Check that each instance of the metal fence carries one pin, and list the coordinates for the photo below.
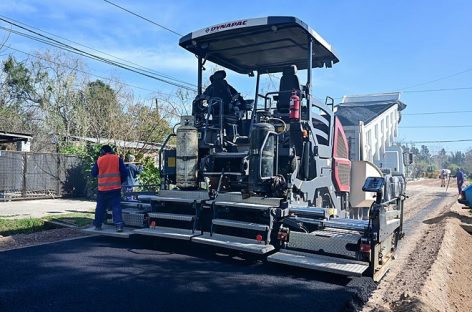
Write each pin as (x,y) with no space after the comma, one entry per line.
(39,175)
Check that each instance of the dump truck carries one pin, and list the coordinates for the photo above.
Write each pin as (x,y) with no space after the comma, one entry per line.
(370,123)
(270,176)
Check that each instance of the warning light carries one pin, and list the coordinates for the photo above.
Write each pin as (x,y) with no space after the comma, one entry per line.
(365,247)
(258,237)
(282,236)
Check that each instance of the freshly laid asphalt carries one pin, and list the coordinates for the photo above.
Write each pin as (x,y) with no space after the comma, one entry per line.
(148,274)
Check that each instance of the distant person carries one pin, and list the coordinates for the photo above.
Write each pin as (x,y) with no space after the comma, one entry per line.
(111,171)
(444,175)
(132,174)
(460,180)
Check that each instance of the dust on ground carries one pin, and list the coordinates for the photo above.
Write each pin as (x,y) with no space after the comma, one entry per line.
(432,270)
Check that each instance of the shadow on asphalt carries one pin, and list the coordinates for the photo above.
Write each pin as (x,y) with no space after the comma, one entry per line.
(233,258)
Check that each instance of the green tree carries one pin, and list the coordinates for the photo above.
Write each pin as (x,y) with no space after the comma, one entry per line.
(145,124)
(442,158)
(457,158)
(150,177)
(49,96)
(44,95)
(468,161)
(18,99)
(19,82)
(104,110)
(88,154)
(424,153)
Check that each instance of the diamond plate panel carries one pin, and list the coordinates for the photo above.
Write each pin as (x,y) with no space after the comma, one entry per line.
(171,216)
(133,219)
(319,262)
(330,241)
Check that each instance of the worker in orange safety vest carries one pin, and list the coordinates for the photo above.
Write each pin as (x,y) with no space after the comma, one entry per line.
(110,171)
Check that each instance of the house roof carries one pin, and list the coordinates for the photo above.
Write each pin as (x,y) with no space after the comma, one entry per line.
(10,137)
(120,143)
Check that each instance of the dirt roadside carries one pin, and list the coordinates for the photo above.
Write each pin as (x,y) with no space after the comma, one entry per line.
(432,271)
(37,209)
(39,238)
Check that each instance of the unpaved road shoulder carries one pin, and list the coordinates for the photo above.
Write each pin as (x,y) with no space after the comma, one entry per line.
(432,271)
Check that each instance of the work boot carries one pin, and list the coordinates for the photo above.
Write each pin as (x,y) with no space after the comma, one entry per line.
(119,228)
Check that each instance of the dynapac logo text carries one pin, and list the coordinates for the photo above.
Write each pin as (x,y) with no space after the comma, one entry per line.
(224,26)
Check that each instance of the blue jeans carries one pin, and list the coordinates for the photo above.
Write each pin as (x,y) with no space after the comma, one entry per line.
(128,189)
(106,199)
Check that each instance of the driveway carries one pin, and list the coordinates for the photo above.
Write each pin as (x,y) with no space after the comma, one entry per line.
(42,207)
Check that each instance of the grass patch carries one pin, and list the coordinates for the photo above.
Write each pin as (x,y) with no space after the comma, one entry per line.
(77,219)
(32,225)
(17,226)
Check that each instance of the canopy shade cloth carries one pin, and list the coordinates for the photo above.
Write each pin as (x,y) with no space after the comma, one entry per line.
(265,45)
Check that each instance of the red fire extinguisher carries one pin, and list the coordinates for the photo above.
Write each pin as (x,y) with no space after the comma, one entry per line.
(294,106)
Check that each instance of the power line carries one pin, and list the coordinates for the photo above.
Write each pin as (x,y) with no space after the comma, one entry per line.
(445,141)
(60,45)
(71,49)
(438,79)
(144,18)
(7,36)
(424,127)
(141,69)
(87,73)
(144,71)
(93,49)
(421,91)
(438,113)
(438,90)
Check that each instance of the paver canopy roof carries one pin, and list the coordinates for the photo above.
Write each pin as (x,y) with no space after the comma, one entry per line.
(266,45)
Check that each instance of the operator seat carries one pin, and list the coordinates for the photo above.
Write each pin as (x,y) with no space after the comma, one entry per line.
(288,82)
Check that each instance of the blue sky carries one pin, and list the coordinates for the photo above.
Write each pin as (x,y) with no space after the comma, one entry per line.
(383,46)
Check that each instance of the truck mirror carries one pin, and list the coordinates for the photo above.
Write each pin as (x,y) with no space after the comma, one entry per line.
(407,158)
(373,184)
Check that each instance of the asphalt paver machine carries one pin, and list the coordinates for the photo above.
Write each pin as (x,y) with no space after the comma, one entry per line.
(269,176)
